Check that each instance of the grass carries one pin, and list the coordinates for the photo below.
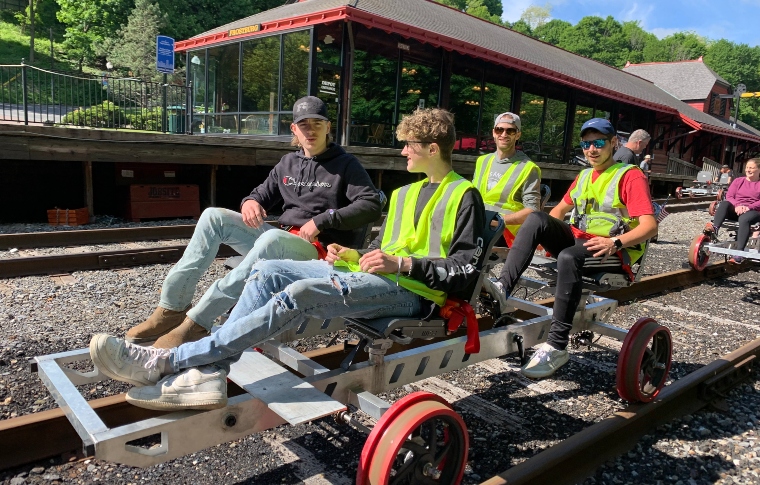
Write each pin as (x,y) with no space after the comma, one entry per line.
(14,46)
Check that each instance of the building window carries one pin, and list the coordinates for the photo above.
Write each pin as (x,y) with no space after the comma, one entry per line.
(223,81)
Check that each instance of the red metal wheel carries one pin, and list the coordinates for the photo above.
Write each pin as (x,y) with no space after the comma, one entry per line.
(698,253)
(678,192)
(713,207)
(419,440)
(644,362)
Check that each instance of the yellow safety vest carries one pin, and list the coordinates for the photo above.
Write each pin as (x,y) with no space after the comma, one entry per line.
(501,197)
(430,238)
(598,209)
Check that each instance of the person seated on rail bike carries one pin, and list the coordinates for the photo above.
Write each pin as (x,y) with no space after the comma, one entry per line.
(325,193)
(613,216)
(508,180)
(725,176)
(428,247)
(742,204)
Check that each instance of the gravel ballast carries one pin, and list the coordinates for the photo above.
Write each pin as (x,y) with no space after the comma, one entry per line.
(41,316)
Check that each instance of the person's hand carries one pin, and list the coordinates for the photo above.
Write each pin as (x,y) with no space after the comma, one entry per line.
(253,213)
(336,252)
(378,262)
(601,246)
(741,209)
(309,231)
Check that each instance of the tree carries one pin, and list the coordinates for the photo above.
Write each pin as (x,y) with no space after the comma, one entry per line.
(522,27)
(599,39)
(680,46)
(638,41)
(490,10)
(736,63)
(536,16)
(88,23)
(134,48)
(552,31)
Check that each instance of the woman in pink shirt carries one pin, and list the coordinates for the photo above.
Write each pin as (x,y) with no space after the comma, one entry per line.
(742,204)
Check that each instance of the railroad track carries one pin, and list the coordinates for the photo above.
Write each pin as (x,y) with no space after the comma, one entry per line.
(61,439)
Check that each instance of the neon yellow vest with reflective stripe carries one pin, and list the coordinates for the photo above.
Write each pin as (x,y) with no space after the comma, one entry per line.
(430,238)
(501,197)
(599,210)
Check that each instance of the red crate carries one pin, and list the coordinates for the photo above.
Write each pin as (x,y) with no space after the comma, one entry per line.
(154,201)
(68,217)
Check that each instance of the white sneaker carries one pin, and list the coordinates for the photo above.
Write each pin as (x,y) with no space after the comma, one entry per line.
(493,287)
(545,362)
(123,361)
(195,388)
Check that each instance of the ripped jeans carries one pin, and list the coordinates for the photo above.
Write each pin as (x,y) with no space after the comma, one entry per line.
(280,295)
(215,226)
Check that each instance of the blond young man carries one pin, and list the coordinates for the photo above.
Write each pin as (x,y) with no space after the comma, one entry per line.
(401,275)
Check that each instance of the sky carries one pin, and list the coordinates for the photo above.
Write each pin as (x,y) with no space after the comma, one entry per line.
(735,20)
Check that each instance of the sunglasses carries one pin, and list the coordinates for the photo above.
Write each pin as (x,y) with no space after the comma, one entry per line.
(407,142)
(510,131)
(597,143)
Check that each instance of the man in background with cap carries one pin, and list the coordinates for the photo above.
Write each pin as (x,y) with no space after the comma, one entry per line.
(508,180)
(646,165)
(613,217)
(636,144)
(324,192)
(726,174)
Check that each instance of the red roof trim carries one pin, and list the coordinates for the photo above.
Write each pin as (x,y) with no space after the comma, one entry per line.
(721,131)
(266,28)
(664,62)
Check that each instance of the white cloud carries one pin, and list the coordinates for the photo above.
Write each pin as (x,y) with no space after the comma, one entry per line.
(662,32)
(637,11)
(513,9)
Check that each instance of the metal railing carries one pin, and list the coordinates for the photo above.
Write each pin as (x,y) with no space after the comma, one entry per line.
(29,94)
(676,166)
(711,165)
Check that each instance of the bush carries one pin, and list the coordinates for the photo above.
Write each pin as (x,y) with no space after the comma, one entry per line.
(106,115)
(146,119)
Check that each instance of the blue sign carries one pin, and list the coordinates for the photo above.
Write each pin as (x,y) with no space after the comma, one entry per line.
(165,54)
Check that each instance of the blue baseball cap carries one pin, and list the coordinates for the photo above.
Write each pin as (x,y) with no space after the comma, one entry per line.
(601,125)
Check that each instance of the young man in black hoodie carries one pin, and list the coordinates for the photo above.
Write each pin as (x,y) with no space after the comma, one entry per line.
(402,275)
(325,193)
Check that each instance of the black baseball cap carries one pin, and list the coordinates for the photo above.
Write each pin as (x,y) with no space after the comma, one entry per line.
(309,107)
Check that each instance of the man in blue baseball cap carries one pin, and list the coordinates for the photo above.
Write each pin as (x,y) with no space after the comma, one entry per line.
(613,217)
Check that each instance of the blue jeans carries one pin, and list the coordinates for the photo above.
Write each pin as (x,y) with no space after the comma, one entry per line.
(217,226)
(283,294)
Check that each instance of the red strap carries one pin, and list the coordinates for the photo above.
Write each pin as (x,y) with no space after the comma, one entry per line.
(457,312)
(509,237)
(321,251)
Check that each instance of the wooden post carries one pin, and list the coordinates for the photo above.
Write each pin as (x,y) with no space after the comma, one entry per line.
(212,186)
(88,192)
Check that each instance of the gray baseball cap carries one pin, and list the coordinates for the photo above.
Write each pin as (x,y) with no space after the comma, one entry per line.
(508,118)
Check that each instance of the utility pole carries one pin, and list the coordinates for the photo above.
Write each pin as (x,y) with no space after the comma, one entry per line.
(31,31)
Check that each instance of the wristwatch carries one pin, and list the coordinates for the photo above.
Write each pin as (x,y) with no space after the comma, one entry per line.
(618,242)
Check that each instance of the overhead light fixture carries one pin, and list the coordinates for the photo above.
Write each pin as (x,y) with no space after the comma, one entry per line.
(196,60)
(329,39)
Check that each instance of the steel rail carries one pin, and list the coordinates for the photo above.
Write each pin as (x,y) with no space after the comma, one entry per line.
(60,437)
(49,239)
(66,263)
(578,456)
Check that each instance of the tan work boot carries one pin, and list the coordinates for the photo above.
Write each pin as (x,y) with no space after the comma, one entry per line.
(161,322)
(188,331)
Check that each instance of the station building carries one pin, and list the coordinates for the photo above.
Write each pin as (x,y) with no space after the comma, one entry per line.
(373,61)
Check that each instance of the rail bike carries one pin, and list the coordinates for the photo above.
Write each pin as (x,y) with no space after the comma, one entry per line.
(418,439)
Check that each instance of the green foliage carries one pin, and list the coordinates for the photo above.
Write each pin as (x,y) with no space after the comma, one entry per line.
(680,46)
(88,23)
(536,16)
(105,115)
(599,39)
(134,48)
(736,63)
(522,27)
(145,119)
(490,10)
(552,31)
(44,18)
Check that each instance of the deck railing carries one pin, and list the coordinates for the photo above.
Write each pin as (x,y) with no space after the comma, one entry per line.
(29,94)
(676,166)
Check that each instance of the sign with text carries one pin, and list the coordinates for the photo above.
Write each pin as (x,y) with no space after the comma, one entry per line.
(244,30)
(165,54)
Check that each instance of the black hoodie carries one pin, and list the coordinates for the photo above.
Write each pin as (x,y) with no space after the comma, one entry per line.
(332,188)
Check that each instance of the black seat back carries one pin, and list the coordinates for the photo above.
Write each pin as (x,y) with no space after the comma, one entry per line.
(492,232)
